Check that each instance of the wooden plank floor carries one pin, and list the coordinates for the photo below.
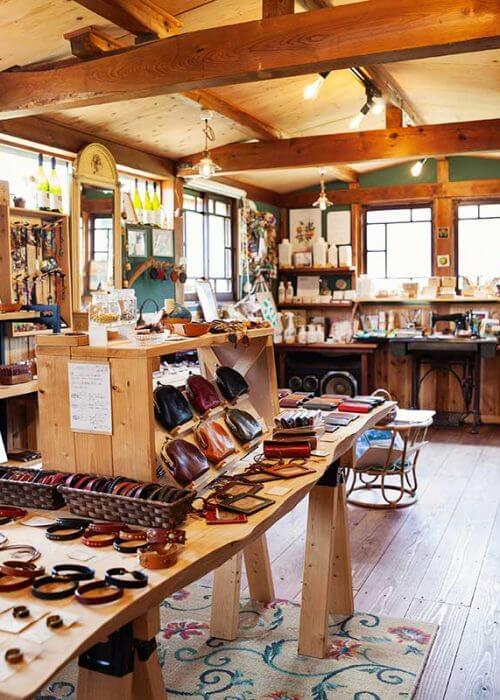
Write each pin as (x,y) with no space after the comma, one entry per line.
(437,561)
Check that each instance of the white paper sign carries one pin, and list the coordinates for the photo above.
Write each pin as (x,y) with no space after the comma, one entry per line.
(338,227)
(90,397)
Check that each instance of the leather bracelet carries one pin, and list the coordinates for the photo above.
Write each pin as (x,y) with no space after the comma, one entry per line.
(73,572)
(12,512)
(44,587)
(74,522)
(162,536)
(25,569)
(130,534)
(13,656)
(61,533)
(128,546)
(113,578)
(113,593)
(32,552)
(158,556)
(54,622)
(16,583)
(98,539)
(101,528)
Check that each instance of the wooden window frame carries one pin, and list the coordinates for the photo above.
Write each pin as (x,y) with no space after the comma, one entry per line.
(466,201)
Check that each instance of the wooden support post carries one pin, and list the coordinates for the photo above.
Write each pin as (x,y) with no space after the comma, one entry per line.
(224,620)
(92,685)
(443,219)
(147,678)
(258,568)
(316,585)
(341,595)
(393,117)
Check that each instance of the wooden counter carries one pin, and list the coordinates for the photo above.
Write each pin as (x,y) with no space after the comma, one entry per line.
(206,548)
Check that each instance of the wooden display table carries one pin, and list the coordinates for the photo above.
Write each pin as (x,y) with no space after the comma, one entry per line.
(327,583)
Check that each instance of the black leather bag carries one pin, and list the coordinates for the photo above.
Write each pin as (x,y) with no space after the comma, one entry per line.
(231,383)
(171,406)
(242,424)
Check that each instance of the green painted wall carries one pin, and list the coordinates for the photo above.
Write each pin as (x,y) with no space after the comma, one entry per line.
(469,168)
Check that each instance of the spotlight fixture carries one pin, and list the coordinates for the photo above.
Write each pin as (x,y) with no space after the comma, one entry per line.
(206,166)
(322,202)
(417,167)
(358,118)
(373,98)
(312,90)
(378,105)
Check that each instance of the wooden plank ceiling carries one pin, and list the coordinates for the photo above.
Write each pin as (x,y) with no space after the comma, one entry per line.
(443,89)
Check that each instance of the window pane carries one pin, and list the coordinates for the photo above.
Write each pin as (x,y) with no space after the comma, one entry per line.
(193,232)
(211,205)
(421,214)
(375,264)
(222,208)
(216,246)
(100,256)
(227,225)
(467,211)
(385,215)
(189,201)
(199,204)
(101,240)
(479,248)
(409,250)
(222,286)
(489,210)
(375,237)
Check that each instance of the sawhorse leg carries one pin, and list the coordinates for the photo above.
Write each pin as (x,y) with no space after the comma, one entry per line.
(125,667)
(327,583)
(224,620)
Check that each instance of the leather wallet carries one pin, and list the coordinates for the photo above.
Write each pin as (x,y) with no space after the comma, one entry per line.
(187,461)
(171,407)
(201,393)
(282,448)
(242,424)
(231,383)
(353,407)
(214,441)
(287,439)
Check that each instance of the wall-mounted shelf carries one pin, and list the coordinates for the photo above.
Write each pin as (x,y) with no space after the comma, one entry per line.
(437,300)
(322,307)
(317,270)
(39,213)
(8,391)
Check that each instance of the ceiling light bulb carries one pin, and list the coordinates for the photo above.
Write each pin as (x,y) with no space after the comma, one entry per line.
(417,167)
(206,167)
(311,91)
(378,105)
(356,120)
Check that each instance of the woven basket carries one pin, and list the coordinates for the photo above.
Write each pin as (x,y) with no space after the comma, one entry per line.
(27,495)
(134,511)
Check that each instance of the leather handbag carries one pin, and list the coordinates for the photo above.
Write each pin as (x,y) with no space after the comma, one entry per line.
(186,460)
(201,393)
(171,407)
(282,448)
(214,441)
(231,383)
(242,424)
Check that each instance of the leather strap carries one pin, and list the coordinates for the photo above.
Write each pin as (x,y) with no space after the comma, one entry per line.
(53,587)
(14,583)
(114,576)
(73,572)
(25,569)
(83,594)
(157,556)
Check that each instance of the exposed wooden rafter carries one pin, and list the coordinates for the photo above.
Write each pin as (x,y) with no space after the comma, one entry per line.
(393,92)
(275,8)
(139,17)
(328,39)
(393,116)
(380,144)
(90,42)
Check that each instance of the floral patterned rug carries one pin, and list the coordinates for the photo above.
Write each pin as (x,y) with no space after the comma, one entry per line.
(370,657)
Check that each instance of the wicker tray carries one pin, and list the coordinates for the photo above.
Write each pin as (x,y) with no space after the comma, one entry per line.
(28,495)
(134,511)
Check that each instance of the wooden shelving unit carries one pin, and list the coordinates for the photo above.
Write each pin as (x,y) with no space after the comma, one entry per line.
(319,307)
(436,300)
(317,270)
(9,391)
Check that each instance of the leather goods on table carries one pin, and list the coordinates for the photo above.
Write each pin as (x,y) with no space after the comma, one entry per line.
(282,448)
(231,383)
(311,438)
(214,441)
(355,407)
(242,424)
(201,393)
(374,400)
(171,407)
(188,462)
(321,404)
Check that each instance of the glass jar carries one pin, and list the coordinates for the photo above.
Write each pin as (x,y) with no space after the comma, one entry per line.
(128,306)
(104,309)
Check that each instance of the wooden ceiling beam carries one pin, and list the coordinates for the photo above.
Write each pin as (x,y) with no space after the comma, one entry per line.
(210,100)
(355,147)
(395,194)
(90,42)
(393,92)
(48,133)
(275,8)
(393,116)
(139,17)
(329,39)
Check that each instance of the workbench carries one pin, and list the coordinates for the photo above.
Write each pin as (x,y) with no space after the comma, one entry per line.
(133,621)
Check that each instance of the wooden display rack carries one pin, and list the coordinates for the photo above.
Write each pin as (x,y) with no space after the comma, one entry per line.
(9,215)
(131,449)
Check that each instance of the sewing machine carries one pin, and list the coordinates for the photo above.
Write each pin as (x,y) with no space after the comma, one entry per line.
(454,322)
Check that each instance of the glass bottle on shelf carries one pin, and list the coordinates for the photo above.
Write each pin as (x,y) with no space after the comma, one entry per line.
(42,186)
(137,202)
(55,191)
(156,207)
(147,213)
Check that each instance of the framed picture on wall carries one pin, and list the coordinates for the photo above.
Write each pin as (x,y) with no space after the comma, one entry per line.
(305,228)
(163,243)
(137,242)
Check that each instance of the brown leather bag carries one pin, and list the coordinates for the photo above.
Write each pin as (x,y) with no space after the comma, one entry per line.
(187,462)
(214,441)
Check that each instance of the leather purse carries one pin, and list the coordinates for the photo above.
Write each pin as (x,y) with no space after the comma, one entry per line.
(282,448)
(242,424)
(186,460)
(214,441)
(201,393)
(231,383)
(171,407)
(355,407)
